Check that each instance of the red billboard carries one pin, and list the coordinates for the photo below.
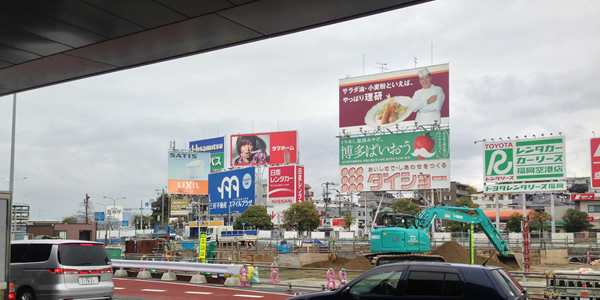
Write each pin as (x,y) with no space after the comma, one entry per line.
(264,148)
(395,99)
(286,184)
(595,143)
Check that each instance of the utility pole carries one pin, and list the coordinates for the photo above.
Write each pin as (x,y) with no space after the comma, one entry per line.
(326,194)
(87,203)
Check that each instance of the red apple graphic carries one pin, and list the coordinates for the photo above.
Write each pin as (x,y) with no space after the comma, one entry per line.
(424,142)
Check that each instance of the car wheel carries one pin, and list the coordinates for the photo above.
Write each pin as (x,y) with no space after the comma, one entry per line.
(26,294)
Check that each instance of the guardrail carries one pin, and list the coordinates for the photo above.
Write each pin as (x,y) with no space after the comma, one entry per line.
(178,266)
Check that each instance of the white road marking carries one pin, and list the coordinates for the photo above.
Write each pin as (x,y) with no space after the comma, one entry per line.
(249,296)
(198,293)
(119,288)
(152,290)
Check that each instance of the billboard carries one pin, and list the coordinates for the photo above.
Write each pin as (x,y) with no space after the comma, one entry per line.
(524,160)
(179,207)
(188,173)
(401,161)
(595,151)
(216,148)
(403,98)
(114,213)
(393,176)
(424,145)
(231,191)
(264,148)
(286,186)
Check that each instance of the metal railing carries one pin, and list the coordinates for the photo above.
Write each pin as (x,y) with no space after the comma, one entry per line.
(178,266)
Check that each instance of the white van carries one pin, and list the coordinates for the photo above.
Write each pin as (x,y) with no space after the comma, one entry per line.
(60,269)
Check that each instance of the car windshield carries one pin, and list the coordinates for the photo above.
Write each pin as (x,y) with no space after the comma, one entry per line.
(508,284)
(379,283)
(83,255)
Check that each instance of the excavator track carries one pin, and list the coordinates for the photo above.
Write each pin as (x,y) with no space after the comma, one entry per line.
(387,258)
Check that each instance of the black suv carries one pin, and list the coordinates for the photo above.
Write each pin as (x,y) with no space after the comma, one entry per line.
(428,281)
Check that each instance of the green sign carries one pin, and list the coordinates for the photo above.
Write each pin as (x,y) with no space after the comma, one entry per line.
(217,161)
(412,146)
(526,160)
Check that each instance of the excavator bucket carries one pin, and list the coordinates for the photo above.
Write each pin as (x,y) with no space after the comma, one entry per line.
(509,260)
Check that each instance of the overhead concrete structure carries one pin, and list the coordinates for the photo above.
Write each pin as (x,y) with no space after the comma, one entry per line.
(53,41)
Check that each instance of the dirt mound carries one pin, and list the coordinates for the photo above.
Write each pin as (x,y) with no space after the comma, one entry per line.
(455,253)
(357,263)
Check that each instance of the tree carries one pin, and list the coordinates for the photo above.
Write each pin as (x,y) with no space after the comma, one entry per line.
(70,220)
(348,219)
(576,221)
(406,206)
(255,216)
(302,215)
(465,201)
(513,224)
(471,190)
(157,210)
(455,226)
(539,222)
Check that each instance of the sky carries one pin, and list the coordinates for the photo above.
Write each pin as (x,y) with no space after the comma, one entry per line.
(516,68)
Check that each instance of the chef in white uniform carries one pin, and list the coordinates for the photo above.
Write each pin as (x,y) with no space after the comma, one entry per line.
(427,101)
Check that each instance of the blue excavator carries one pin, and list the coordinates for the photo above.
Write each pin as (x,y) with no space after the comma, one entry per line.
(404,237)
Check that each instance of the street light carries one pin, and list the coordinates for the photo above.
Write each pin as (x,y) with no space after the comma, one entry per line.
(114,200)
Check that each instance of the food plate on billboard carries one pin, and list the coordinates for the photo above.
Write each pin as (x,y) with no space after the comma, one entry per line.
(389,112)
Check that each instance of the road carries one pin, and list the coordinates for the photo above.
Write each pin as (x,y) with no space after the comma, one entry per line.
(134,289)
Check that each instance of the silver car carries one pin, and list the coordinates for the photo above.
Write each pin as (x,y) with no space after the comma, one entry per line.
(60,269)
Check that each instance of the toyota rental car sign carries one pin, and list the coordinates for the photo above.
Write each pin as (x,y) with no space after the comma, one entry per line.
(524,160)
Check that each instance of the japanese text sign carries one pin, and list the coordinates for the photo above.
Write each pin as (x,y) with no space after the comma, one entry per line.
(264,148)
(216,148)
(399,147)
(363,100)
(595,151)
(231,191)
(179,207)
(526,255)
(286,184)
(531,187)
(527,160)
(393,176)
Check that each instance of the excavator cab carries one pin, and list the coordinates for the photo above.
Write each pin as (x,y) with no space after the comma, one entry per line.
(397,220)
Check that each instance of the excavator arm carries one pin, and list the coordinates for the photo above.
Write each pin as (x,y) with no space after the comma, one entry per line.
(425,219)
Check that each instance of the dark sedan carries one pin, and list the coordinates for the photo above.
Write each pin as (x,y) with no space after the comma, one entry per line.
(427,281)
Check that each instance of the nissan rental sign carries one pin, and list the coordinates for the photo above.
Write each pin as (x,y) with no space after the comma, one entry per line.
(526,160)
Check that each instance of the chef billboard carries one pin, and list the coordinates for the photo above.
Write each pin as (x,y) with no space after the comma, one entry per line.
(397,99)
(524,160)
(216,148)
(264,148)
(188,172)
(231,191)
